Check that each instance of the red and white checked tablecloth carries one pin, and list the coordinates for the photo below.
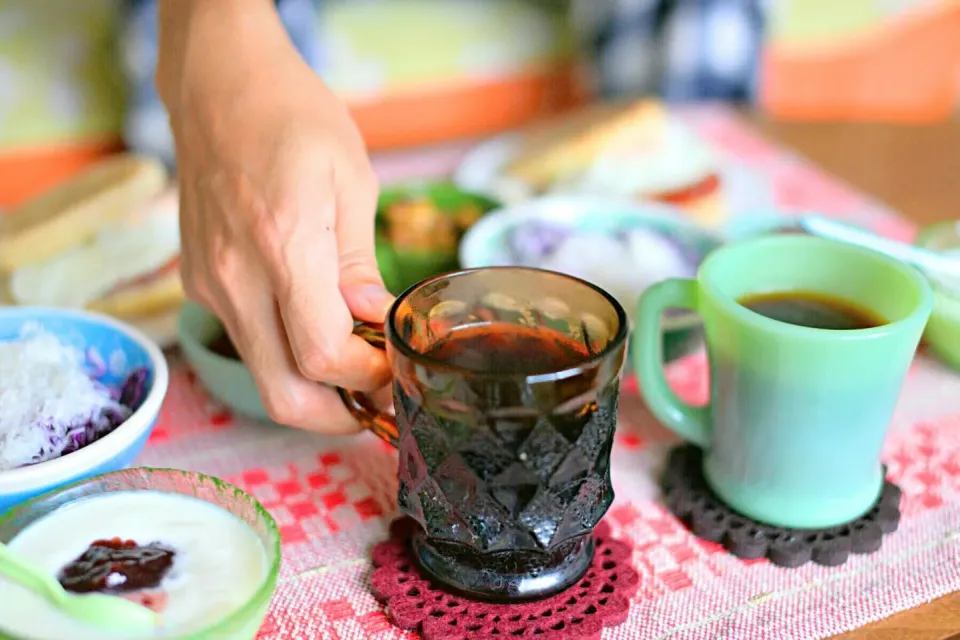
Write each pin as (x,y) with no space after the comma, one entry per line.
(333,498)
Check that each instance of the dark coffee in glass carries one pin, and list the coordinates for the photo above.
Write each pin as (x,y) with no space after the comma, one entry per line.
(505,391)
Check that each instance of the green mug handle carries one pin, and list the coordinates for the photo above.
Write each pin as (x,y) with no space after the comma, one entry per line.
(691,423)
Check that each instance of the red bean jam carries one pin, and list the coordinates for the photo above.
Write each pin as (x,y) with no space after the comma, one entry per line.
(117,566)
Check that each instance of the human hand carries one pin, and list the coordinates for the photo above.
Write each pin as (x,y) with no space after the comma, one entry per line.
(277,222)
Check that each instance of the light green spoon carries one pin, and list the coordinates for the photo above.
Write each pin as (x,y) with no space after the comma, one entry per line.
(103,611)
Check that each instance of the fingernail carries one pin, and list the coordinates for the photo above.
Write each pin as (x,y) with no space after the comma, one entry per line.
(377,297)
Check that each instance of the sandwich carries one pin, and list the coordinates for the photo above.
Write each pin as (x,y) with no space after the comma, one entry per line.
(107,240)
(566,147)
(636,150)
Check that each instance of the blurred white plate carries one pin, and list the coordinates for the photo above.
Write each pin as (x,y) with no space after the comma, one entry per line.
(686,160)
(747,191)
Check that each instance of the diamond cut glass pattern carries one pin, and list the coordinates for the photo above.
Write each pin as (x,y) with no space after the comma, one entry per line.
(505,390)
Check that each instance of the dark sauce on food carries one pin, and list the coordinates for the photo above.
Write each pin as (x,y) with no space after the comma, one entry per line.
(117,566)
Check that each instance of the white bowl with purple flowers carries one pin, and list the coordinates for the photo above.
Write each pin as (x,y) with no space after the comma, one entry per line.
(621,246)
(80,394)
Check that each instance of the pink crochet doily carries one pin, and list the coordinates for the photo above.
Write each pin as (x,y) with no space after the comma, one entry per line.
(601,598)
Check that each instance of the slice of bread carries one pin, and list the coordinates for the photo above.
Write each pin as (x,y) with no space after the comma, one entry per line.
(161,328)
(568,146)
(158,294)
(71,213)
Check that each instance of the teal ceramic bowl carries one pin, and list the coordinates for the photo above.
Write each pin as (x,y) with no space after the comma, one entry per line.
(942,334)
(488,242)
(228,380)
(243,623)
(403,268)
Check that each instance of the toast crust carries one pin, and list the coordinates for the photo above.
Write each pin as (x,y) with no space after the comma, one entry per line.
(71,213)
(150,298)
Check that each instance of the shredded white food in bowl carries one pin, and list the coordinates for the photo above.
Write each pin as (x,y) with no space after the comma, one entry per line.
(49,405)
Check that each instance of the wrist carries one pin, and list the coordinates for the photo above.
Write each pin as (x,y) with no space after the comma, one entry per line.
(213,52)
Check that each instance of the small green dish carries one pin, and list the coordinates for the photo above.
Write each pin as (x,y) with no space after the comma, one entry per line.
(943,330)
(228,380)
(243,623)
(402,269)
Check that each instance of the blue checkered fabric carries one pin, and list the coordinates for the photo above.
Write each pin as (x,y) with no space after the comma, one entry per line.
(682,50)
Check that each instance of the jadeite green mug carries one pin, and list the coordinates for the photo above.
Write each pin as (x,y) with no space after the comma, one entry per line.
(797,416)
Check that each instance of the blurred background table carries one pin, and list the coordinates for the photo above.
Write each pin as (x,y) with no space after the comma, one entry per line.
(915,170)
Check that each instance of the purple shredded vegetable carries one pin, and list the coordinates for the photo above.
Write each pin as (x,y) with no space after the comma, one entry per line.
(130,395)
(531,242)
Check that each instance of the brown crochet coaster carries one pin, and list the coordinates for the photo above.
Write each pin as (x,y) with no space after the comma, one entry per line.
(689,498)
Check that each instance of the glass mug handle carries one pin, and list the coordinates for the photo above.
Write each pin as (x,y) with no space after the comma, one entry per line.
(689,422)
(359,404)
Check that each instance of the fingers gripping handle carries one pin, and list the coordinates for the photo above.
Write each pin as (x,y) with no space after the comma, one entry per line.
(359,404)
(691,423)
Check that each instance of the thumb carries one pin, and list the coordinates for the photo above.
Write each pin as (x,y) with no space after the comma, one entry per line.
(362,287)
(361,284)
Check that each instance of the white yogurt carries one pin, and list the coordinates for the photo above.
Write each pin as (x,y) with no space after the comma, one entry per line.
(218,566)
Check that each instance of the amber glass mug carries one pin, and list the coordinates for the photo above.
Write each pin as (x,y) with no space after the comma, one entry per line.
(506,383)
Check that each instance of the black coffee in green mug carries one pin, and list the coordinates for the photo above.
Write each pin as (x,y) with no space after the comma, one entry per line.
(812,309)
(797,413)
